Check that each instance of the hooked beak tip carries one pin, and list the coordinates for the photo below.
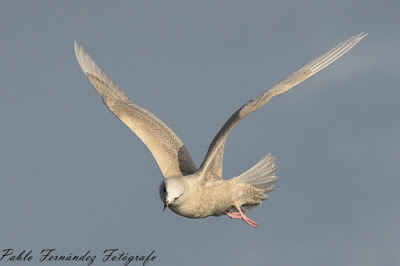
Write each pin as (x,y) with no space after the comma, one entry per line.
(165,205)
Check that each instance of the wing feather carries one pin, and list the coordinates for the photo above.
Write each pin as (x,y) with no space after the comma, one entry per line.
(309,69)
(167,149)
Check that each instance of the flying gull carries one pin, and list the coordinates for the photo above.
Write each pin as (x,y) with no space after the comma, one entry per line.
(200,192)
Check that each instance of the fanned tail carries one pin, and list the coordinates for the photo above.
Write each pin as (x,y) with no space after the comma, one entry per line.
(261,176)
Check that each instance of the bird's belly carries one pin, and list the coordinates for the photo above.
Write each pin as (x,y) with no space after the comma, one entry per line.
(195,211)
(211,201)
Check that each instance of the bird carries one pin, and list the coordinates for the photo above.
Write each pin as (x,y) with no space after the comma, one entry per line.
(201,192)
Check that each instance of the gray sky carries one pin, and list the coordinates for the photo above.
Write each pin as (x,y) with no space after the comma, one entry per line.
(73,177)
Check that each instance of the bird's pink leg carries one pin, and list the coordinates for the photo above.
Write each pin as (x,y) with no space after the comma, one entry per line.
(246,219)
(234,215)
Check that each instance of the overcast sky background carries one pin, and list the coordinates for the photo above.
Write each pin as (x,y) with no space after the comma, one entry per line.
(74,178)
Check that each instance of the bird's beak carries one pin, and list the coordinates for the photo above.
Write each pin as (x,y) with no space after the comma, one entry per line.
(166,205)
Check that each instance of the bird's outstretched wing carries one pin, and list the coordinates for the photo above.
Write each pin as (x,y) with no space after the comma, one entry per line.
(165,146)
(213,161)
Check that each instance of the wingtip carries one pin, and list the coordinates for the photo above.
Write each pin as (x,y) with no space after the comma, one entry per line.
(76,48)
(78,52)
(357,38)
(360,36)
(364,34)
(83,59)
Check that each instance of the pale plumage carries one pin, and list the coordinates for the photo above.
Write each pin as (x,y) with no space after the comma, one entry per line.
(186,190)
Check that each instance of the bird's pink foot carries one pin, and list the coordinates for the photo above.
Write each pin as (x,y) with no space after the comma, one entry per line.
(241,215)
(234,215)
(250,222)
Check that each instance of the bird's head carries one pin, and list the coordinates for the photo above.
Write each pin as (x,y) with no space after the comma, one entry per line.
(171,191)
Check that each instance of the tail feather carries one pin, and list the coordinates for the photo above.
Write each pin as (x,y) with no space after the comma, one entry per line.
(261,176)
